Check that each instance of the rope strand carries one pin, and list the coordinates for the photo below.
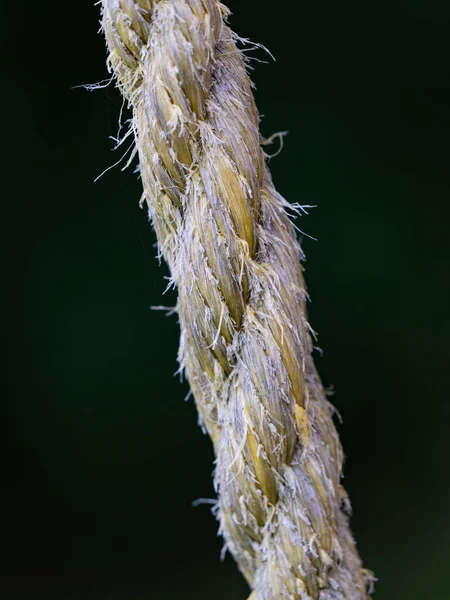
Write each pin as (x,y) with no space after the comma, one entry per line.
(233,255)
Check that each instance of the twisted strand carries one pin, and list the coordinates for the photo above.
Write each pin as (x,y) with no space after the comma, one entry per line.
(245,340)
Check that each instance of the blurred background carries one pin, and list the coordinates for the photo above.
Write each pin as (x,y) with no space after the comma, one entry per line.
(102,457)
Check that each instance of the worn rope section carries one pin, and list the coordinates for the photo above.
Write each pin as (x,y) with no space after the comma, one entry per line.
(245,340)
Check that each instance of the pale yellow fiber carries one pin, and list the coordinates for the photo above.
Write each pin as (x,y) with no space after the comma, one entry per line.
(233,255)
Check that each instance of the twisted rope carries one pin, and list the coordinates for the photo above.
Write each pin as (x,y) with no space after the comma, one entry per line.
(245,340)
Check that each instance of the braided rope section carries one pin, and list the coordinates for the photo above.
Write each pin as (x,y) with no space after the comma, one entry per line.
(245,339)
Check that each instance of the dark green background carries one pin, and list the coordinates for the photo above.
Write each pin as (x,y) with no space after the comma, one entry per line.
(102,457)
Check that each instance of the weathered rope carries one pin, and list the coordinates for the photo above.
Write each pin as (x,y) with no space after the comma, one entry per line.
(245,339)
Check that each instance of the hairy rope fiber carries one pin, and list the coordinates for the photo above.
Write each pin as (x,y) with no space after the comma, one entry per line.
(245,340)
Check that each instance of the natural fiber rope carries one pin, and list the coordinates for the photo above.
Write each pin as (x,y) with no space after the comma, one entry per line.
(245,339)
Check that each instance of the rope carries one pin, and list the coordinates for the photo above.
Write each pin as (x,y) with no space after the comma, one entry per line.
(233,255)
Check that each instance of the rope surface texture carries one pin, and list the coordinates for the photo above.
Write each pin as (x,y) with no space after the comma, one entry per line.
(233,255)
